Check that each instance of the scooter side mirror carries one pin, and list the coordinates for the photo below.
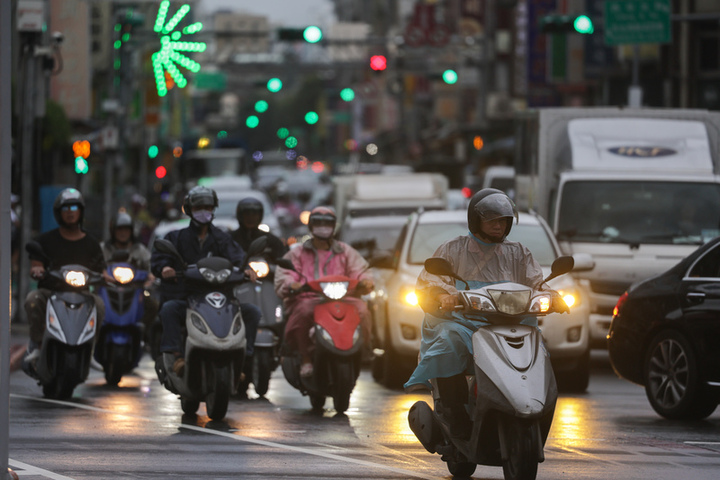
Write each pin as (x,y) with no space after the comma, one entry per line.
(285,263)
(257,246)
(561,266)
(441,267)
(36,251)
(165,246)
(120,256)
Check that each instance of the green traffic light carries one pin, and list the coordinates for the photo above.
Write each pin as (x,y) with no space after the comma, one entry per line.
(312,34)
(583,24)
(283,133)
(347,94)
(450,76)
(274,85)
(81,165)
(153,151)
(261,106)
(312,118)
(291,142)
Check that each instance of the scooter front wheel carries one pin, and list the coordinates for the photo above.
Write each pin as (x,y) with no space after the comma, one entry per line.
(461,469)
(217,400)
(521,440)
(189,406)
(262,370)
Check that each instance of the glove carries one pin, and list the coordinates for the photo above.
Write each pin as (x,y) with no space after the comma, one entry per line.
(558,304)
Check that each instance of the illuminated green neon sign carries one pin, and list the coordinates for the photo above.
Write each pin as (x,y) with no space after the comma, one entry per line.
(168,58)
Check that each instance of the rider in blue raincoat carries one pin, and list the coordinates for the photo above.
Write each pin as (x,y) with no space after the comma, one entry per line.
(481,257)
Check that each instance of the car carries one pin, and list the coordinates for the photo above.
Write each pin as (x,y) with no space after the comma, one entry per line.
(372,236)
(397,319)
(665,332)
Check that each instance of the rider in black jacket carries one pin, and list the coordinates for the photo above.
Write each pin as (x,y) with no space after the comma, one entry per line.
(249,213)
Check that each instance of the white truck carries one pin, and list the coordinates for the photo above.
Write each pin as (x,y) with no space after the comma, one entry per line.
(638,189)
(388,194)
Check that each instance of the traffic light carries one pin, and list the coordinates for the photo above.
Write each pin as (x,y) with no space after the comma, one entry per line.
(450,76)
(566,24)
(252,121)
(81,149)
(261,106)
(311,118)
(347,94)
(153,151)
(378,63)
(160,172)
(311,34)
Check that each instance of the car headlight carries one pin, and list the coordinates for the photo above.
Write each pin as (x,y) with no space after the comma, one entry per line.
(260,267)
(571,296)
(408,295)
(334,290)
(123,274)
(213,276)
(75,278)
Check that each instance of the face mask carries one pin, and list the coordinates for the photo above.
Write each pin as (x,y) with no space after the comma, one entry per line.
(202,216)
(322,233)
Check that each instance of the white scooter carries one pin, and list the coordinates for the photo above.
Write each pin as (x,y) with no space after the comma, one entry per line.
(215,344)
(512,394)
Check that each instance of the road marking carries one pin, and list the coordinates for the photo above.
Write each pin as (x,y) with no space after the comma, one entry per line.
(702,443)
(233,436)
(31,470)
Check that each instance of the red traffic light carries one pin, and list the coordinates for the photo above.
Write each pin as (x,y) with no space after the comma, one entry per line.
(160,172)
(378,63)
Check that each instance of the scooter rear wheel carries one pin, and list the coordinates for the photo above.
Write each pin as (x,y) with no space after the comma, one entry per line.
(317,401)
(262,370)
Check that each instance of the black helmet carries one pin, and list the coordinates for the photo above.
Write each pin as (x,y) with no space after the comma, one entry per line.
(489,204)
(69,196)
(121,219)
(250,205)
(199,197)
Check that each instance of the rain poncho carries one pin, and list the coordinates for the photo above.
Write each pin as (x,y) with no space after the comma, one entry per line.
(446,347)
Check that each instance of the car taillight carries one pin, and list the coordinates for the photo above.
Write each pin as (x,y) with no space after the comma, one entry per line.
(619,303)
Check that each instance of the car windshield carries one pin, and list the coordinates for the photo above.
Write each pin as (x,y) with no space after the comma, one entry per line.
(428,237)
(639,212)
(228,204)
(372,237)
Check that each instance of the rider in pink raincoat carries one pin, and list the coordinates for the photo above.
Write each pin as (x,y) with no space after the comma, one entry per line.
(318,257)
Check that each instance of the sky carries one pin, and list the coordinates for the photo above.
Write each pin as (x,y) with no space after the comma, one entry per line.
(290,13)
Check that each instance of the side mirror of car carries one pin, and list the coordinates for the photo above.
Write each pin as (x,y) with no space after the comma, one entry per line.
(583,262)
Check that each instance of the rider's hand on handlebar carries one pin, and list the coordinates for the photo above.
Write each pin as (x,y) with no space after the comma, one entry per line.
(37,272)
(251,274)
(364,286)
(295,286)
(107,277)
(168,272)
(447,301)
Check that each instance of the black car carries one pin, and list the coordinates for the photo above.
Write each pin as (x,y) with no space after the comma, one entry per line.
(665,335)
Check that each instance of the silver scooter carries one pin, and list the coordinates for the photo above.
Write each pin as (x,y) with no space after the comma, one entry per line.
(512,393)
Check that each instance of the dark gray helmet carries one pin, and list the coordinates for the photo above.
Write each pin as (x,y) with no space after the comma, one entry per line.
(199,197)
(489,204)
(69,196)
(249,205)
(121,219)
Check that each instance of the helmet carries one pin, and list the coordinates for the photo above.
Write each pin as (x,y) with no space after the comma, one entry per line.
(199,197)
(69,196)
(318,214)
(121,219)
(250,205)
(489,204)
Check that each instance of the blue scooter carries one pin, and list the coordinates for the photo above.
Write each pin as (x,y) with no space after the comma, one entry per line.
(119,345)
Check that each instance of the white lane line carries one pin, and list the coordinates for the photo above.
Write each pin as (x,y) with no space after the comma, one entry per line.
(702,443)
(31,470)
(233,436)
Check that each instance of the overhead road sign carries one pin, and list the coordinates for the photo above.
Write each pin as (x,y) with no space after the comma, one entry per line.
(637,21)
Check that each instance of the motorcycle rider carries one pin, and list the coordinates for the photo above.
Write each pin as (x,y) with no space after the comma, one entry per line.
(482,257)
(319,256)
(122,237)
(249,213)
(200,239)
(65,245)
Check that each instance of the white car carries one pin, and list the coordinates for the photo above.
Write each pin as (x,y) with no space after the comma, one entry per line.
(397,319)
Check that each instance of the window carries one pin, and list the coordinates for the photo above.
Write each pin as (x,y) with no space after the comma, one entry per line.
(708,266)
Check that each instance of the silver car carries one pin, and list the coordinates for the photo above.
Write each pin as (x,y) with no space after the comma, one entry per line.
(397,318)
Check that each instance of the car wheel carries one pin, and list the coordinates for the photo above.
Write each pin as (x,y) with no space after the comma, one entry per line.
(577,379)
(672,381)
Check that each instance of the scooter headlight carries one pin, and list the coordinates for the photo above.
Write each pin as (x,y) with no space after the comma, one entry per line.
(215,276)
(75,278)
(334,290)
(510,302)
(541,304)
(260,267)
(480,302)
(123,275)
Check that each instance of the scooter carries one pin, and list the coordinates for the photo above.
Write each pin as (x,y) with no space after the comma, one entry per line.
(337,336)
(71,321)
(215,344)
(512,395)
(120,343)
(266,356)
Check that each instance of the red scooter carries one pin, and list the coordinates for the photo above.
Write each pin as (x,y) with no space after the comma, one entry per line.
(337,337)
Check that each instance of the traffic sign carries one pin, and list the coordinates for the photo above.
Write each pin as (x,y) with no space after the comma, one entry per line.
(637,21)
